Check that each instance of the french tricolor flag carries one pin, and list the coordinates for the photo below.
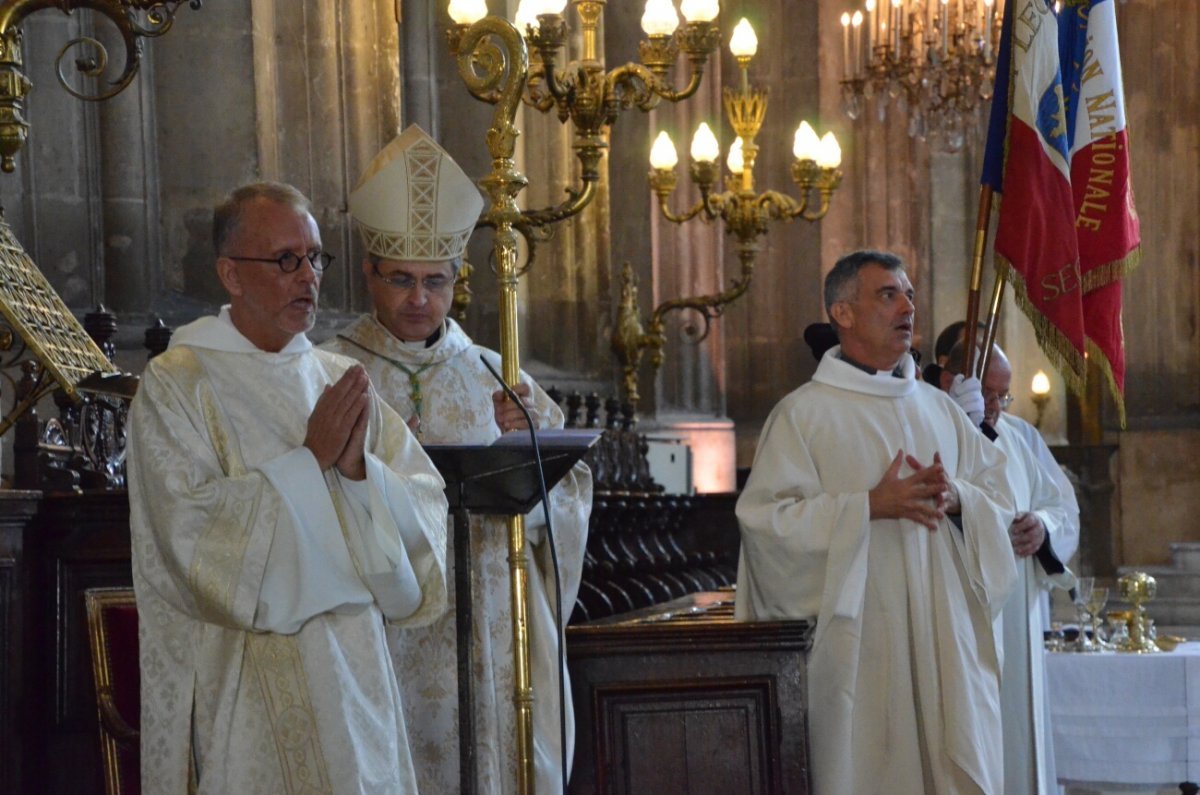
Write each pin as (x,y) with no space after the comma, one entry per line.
(1027,161)
(1106,222)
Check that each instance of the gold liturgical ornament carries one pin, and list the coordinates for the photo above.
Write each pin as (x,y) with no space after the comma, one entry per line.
(134,20)
(493,61)
(1137,589)
(44,323)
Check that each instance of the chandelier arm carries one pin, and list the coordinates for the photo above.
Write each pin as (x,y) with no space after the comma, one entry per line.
(535,96)
(688,91)
(576,201)
(632,84)
(713,305)
(561,90)
(700,206)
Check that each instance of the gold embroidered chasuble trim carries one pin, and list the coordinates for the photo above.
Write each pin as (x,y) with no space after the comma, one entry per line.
(276,661)
(279,668)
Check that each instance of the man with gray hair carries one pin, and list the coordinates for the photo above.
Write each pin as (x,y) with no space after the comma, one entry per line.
(280,515)
(415,209)
(1044,533)
(876,507)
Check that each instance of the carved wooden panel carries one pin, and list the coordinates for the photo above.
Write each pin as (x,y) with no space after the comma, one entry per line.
(680,698)
(712,735)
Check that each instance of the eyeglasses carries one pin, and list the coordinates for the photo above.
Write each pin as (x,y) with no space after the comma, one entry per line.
(405,282)
(290,263)
(1004,400)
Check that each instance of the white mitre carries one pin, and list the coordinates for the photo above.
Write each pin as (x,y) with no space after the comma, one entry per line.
(414,203)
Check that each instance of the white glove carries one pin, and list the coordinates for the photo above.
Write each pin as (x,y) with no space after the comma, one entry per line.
(968,394)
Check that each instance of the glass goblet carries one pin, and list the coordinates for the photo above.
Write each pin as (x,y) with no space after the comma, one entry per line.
(1095,604)
(1083,594)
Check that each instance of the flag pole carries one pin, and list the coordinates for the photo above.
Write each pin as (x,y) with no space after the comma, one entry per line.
(993,321)
(981,234)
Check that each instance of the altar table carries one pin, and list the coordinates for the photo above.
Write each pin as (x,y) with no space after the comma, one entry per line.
(1122,720)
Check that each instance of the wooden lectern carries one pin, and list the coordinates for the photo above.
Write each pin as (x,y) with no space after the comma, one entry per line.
(498,479)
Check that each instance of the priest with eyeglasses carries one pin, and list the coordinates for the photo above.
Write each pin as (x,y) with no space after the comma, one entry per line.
(416,209)
(281,517)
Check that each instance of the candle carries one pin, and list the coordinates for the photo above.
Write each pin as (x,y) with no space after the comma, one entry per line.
(699,10)
(845,46)
(856,21)
(734,161)
(467,12)
(829,154)
(945,22)
(705,148)
(896,26)
(870,29)
(659,18)
(805,144)
(663,156)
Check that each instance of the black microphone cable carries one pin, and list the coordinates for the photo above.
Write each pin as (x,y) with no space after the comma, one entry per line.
(560,628)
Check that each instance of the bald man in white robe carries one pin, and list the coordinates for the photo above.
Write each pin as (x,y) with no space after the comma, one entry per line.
(1044,533)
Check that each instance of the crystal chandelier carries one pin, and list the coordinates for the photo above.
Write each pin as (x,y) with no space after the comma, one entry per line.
(933,60)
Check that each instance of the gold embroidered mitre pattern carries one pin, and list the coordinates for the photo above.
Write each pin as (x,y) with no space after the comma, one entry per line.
(414,203)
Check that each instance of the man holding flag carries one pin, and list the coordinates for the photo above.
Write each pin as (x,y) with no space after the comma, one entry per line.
(1067,233)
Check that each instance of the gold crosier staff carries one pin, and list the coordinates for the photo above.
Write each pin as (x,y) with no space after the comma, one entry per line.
(494,64)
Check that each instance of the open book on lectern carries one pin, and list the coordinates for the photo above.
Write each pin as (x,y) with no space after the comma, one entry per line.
(502,477)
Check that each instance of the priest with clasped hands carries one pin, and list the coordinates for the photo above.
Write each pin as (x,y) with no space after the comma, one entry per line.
(415,209)
(876,507)
(281,517)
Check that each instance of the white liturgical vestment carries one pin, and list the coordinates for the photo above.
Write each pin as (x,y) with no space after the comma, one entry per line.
(263,584)
(455,392)
(904,675)
(1028,754)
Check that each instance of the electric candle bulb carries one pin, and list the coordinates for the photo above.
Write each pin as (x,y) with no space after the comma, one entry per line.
(744,43)
(663,156)
(553,7)
(699,10)
(526,17)
(659,18)
(829,154)
(705,148)
(805,144)
(734,160)
(1041,383)
(467,12)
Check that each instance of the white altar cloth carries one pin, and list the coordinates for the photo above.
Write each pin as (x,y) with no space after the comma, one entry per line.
(1126,719)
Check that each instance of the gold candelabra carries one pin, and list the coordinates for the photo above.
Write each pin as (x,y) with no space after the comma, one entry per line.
(933,58)
(494,62)
(134,20)
(583,91)
(744,213)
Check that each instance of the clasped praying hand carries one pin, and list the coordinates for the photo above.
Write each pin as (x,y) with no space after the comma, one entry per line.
(337,427)
(924,497)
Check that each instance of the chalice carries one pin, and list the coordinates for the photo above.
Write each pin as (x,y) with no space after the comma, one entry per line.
(1137,589)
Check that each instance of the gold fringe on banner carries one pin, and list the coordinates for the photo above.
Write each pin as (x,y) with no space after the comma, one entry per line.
(1058,349)
(1109,272)
(1096,355)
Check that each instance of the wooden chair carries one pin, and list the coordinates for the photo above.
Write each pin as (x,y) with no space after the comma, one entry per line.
(113,635)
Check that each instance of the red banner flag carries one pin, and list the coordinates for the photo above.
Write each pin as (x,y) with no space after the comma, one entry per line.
(1027,161)
(1106,222)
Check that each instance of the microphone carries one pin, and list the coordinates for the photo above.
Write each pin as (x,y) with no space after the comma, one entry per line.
(560,629)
